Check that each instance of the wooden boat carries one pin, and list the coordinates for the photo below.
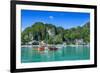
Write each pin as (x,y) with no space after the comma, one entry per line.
(53,48)
(41,48)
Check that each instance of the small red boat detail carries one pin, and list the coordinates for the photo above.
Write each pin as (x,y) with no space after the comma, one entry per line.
(41,49)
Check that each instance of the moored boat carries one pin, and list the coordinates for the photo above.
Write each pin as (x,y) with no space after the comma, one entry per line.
(53,48)
(41,48)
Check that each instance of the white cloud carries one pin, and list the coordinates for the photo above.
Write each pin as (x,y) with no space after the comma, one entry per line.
(51,17)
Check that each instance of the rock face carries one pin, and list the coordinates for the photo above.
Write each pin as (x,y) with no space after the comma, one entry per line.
(52,34)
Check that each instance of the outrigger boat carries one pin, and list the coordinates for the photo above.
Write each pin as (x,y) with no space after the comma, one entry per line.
(44,46)
(41,48)
(53,48)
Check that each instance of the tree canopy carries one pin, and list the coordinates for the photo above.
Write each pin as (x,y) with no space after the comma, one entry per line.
(52,34)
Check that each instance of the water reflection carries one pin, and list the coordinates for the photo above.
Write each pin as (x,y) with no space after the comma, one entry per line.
(63,53)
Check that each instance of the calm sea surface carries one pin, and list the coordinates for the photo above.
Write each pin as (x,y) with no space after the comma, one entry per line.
(64,53)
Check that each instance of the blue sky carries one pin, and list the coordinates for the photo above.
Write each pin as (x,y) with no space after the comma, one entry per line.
(64,19)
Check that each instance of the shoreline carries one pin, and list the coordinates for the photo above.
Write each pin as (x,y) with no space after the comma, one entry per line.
(53,45)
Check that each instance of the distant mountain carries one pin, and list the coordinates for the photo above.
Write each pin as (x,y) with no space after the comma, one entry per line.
(51,34)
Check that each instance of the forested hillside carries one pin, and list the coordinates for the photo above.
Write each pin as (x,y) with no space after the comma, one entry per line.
(52,34)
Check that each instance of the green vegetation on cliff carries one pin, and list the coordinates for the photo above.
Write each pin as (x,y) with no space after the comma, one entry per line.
(52,34)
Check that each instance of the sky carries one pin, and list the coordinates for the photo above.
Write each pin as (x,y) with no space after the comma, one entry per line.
(66,20)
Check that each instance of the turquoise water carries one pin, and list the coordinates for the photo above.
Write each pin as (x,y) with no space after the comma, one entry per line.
(65,53)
